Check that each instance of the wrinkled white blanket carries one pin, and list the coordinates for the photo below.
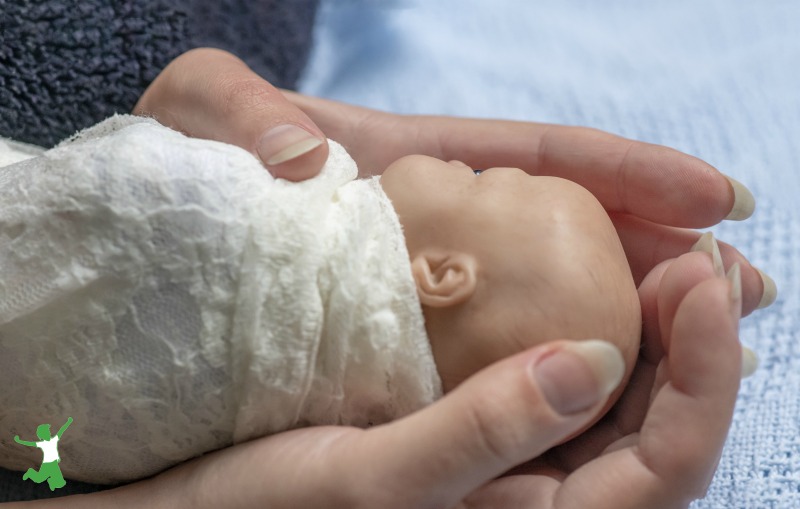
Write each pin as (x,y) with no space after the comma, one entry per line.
(173,298)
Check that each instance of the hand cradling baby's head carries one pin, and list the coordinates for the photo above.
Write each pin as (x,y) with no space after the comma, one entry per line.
(504,261)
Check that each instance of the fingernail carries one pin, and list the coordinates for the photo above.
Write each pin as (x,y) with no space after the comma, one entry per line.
(579,375)
(749,362)
(734,275)
(707,243)
(284,143)
(770,290)
(743,202)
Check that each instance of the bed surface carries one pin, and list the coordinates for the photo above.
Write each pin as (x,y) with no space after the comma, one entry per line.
(717,79)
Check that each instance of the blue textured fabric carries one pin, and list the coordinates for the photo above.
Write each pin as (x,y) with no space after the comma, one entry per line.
(717,79)
(67,64)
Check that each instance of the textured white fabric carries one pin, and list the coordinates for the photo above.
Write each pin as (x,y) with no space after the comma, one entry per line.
(173,298)
(14,152)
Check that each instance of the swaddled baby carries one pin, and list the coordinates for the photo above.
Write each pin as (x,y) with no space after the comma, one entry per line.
(173,298)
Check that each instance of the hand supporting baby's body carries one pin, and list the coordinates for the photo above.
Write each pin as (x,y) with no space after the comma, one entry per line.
(173,298)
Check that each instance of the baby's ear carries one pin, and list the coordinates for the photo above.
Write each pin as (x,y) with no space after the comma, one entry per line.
(444,279)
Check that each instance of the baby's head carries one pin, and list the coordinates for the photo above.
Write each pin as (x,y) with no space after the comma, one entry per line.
(504,261)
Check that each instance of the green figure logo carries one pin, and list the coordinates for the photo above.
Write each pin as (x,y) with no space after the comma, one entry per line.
(49,470)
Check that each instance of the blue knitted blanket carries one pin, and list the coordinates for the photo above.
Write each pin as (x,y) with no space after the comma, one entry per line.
(719,79)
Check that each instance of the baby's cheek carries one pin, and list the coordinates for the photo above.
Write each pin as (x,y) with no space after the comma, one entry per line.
(457,363)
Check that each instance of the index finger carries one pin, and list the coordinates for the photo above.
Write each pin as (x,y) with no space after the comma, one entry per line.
(649,181)
(646,180)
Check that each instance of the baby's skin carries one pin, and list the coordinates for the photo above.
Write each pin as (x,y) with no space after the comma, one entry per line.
(504,261)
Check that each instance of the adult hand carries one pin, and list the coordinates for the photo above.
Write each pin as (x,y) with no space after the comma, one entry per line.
(652,193)
(209,93)
(659,445)
(658,448)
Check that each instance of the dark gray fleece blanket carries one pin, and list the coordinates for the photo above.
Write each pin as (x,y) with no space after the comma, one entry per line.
(67,64)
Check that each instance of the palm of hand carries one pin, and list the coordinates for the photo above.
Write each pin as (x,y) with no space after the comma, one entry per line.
(658,447)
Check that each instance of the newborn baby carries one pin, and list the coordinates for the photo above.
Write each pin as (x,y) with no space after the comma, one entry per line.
(173,298)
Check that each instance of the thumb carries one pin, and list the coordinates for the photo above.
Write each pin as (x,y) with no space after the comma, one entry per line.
(509,413)
(211,94)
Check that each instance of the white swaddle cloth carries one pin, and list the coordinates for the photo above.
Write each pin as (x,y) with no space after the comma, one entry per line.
(173,298)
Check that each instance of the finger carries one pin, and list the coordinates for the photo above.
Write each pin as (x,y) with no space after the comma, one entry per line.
(211,94)
(623,419)
(660,295)
(683,274)
(684,431)
(650,181)
(510,412)
(313,462)
(629,411)
(522,491)
(662,290)
(652,348)
(647,244)
(373,138)
(628,414)
(695,408)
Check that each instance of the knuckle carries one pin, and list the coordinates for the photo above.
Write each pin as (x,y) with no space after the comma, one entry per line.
(246,95)
(497,435)
(687,471)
